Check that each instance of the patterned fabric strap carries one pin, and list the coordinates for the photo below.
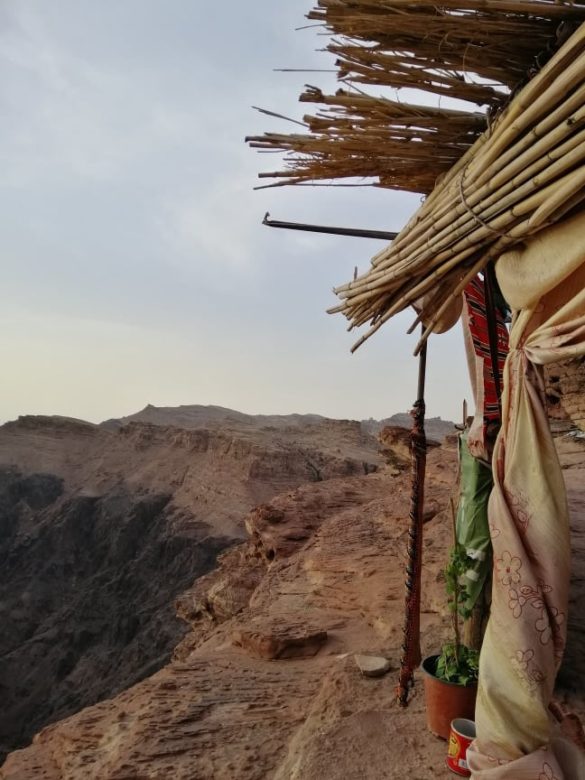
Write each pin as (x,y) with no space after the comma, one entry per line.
(475,319)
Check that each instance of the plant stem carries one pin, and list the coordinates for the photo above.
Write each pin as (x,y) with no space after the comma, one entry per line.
(455,585)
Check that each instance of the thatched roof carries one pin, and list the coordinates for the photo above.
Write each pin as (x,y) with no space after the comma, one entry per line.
(478,51)
(489,188)
(522,175)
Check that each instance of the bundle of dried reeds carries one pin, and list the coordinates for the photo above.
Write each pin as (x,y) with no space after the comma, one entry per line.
(402,146)
(435,46)
(524,174)
(474,50)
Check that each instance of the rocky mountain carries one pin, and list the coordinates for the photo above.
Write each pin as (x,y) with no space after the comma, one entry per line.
(280,545)
(264,684)
(196,416)
(436,429)
(216,416)
(102,527)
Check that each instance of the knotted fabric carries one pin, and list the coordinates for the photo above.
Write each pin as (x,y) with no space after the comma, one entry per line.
(544,282)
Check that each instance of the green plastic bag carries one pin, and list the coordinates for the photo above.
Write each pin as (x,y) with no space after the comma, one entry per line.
(472,521)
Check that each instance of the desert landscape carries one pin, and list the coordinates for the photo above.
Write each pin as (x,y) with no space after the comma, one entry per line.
(192,592)
(186,591)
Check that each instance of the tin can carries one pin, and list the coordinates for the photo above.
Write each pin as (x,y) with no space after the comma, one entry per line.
(461,736)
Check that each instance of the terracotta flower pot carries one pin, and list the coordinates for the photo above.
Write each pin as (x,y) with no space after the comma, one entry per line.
(445,701)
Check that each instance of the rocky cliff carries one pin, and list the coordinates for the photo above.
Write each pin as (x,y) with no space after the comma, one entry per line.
(102,527)
(264,684)
(86,588)
(565,390)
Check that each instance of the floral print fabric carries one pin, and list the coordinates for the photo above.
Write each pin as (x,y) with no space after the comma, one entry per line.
(529,527)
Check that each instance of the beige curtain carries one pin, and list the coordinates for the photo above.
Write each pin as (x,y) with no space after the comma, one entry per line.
(544,282)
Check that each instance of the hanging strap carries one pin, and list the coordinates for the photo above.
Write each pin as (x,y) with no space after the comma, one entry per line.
(492,327)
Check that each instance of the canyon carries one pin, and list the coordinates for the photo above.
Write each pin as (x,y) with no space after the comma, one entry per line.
(280,543)
(102,526)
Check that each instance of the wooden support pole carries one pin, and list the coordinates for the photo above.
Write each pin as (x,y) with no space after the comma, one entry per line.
(411,653)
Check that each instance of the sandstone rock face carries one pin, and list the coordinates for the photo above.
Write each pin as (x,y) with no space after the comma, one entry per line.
(86,591)
(395,446)
(219,712)
(276,641)
(436,428)
(102,528)
(565,390)
(279,528)
(572,673)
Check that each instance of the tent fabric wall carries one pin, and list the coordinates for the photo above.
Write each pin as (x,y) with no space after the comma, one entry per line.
(528,518)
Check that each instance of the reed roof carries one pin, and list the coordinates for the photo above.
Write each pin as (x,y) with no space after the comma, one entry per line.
(492,178)
(478,51)
(523,174)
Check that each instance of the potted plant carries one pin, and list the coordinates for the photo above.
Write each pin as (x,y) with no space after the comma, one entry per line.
(451,676)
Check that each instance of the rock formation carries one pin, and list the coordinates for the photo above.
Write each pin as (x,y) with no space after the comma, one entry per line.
(320,578)
(565,391)
(102,527)
(394,443)
(264,683)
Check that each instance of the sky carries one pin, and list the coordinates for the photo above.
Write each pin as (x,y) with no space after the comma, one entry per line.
(135,268)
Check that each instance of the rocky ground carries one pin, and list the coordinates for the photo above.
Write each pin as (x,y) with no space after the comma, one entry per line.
(264,684)
(102,527)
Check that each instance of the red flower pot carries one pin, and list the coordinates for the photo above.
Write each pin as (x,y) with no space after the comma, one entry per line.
(445,701)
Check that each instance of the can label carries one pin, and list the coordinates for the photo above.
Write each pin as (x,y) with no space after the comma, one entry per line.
(462,734)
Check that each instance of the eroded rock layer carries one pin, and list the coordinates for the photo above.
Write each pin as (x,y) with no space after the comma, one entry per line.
(565,390)
(101,528)
(264,684)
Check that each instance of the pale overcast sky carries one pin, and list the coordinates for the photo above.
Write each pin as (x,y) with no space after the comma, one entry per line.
(135,269)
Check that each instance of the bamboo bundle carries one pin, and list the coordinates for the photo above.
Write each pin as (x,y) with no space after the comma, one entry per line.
(524,174)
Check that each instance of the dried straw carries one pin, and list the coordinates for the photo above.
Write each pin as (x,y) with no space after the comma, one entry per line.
(524,174)
(474,50)
(355,135)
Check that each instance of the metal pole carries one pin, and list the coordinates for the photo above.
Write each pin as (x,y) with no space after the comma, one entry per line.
(383,235)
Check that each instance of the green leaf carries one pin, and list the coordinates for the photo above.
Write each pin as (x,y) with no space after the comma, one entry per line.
(462,672)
